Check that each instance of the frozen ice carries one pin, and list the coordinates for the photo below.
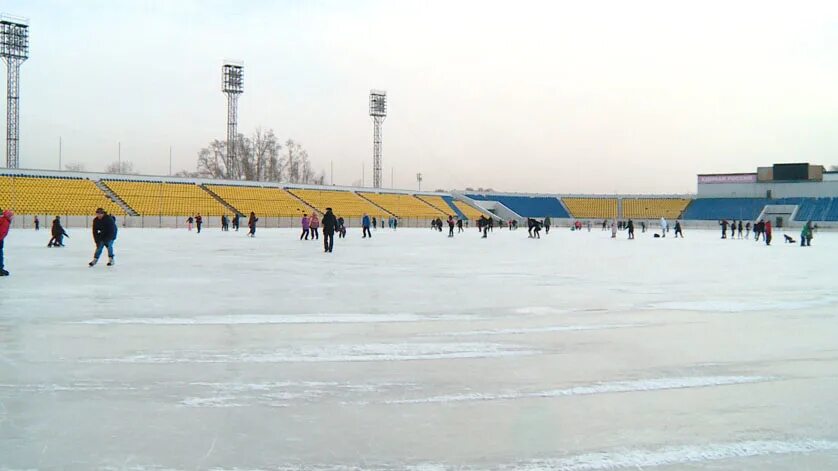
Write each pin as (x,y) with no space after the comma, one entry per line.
(416,351)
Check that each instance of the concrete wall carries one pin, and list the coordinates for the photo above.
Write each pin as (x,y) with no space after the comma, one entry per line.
(27,221)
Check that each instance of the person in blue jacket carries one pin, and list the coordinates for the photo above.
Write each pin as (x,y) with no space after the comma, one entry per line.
(365,223)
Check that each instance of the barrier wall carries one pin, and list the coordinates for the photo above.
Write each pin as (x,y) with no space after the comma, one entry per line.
(27,221)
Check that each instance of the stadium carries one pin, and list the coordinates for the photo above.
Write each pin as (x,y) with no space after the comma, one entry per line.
(555,326)
(787,194)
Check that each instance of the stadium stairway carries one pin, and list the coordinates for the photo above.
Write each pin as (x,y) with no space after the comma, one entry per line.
(221,200)
(115,198)
(450,201)
(384,211)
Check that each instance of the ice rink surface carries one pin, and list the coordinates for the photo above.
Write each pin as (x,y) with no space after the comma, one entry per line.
(411,350)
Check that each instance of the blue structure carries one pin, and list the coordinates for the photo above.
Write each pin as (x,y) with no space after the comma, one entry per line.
(528,206)
(748,209)
(455,209)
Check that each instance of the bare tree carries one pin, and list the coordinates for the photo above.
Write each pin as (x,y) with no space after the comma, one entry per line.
(123,167)
(187,174)
(74,166)
(259,158)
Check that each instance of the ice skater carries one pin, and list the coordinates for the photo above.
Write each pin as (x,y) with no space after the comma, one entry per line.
(314,225)
(643,227)
(483,225)
(189,222)
(613,228)
(678,231)
(198,222)
(342,228)
(748,230)
(664,227)
(37,224)
(251,223)
(225,224)
(806,235)
(365,226)
(768,233)
(57,233)
(5,225)
(104,235)
(450,226)
(374,223)
(236,222)
(329,224)
(630,225)
(547,223)
(305,223)
(723,223)
(459,225)
(739,228)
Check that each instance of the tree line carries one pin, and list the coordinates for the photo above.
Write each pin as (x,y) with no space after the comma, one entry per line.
(260,157)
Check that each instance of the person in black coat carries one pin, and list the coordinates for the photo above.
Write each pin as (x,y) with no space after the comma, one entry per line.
(630,226)
(236,222)
(104,234)
(329,223)
(58,233)
(251,223)
(723,223)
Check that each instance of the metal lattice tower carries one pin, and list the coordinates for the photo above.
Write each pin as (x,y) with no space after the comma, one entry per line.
(232,84)
(378,111)
(14,49)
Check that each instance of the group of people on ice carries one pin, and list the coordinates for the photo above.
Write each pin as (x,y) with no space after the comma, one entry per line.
(452,222)
(763,229)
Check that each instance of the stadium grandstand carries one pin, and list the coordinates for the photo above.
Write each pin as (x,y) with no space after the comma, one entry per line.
(270,202)
(787,194)
(166,198)
(53,195)
(344,203)
(404,206)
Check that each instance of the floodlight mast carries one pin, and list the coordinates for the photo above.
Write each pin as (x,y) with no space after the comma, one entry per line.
(14,49)
(232,84)
(378,111)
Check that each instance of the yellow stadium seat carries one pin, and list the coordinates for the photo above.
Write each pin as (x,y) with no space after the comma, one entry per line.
(343,203)
(166,199)
(405,206)
(591,208)
(654,208)
(470,213)
(59,196)
(270,202)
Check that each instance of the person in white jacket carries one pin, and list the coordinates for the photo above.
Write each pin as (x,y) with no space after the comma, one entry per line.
(664,226)
(613,228)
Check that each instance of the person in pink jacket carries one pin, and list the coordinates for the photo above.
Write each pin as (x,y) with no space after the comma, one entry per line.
(5,224)
(315,226)
(305,223)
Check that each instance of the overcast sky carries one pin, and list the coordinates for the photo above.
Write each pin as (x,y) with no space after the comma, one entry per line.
(576,96)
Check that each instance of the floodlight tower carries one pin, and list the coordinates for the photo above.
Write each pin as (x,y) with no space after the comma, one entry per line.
(14,49)
(378,111)
(232,84)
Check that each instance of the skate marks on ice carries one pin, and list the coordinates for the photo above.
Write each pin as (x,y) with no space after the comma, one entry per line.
(629,458)
(608,387)
(217,394)
(751,305)
(536,330)
(332,353)
(255,319)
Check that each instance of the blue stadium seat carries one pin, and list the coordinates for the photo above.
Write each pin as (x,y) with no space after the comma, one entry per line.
(528,206)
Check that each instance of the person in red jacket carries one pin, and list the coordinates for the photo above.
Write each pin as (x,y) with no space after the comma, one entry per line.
(767,232)
(5,224)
